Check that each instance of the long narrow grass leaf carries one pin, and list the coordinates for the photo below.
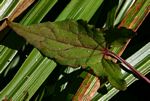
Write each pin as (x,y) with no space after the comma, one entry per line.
(136,15)
(80,9)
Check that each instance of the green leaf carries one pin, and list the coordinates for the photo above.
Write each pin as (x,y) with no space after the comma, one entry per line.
(115,77)
(72,43)
(68,42)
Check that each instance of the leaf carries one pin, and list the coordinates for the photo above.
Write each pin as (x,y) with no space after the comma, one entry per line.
(69,42)
(114,74)
(118,37)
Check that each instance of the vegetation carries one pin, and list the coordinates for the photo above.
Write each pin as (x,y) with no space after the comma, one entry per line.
(27,74)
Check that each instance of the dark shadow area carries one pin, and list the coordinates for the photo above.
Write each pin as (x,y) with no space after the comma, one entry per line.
(138,91)
(13,41)
(53,85)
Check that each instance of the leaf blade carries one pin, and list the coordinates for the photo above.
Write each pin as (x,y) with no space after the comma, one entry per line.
(62,44)
(63,40)
(115,77)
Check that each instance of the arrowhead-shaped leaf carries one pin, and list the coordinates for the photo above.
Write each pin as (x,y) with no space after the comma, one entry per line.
(72,43)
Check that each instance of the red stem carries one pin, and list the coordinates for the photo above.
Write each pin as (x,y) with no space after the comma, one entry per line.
(109,53)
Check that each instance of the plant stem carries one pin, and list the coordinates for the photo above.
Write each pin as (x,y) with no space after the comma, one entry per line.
(109,53)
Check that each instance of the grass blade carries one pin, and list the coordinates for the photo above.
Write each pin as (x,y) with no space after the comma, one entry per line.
(136,15)
(29,77)
(87,89)
(80,9)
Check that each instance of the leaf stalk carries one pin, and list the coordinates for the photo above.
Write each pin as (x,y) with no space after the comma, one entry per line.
(106,52)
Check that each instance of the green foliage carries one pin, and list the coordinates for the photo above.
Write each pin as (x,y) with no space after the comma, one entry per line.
(63,40)
(114,74)
(36,70)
